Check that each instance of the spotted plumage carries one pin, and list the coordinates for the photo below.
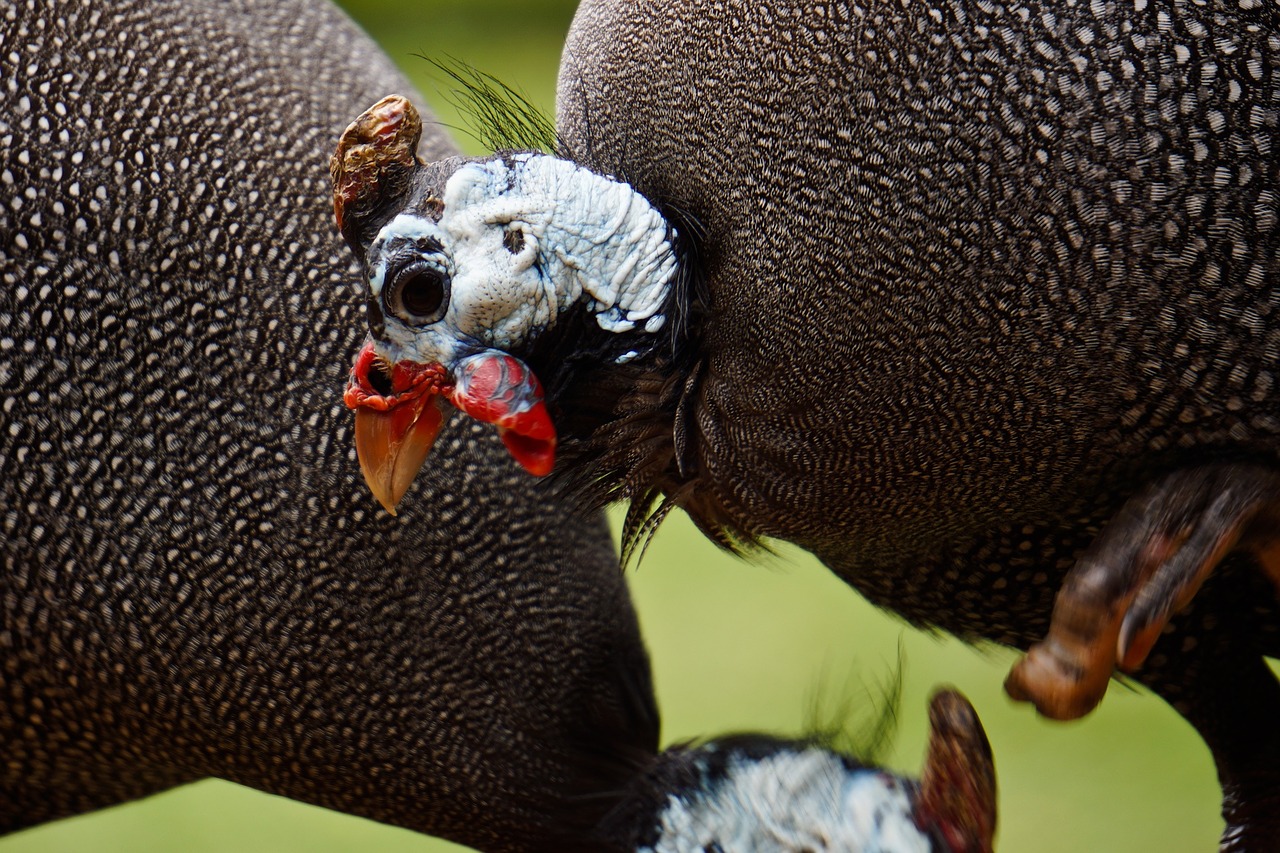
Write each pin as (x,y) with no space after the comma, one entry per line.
(193,581)
(970,280)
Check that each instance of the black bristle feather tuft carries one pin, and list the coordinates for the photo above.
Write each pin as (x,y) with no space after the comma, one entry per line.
(499,117)
(627,430)
(863,723)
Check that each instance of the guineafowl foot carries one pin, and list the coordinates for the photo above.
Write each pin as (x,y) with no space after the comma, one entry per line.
(1147,564)
(1253,821)
(1232,698)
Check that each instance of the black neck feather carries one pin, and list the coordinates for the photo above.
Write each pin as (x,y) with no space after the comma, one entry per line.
(627,430)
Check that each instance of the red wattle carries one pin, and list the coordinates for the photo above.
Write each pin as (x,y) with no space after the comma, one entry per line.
(536,456)
(407,379)
(500,389)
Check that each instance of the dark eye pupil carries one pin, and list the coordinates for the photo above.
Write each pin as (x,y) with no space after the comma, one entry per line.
(422,294)
(417,292)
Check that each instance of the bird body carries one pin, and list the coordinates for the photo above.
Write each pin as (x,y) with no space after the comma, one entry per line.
(975,277)
(1031,254)
(958,286)
(193,581)
(978,279)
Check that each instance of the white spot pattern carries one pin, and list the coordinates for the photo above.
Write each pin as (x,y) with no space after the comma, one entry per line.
(983,261)
(194,579)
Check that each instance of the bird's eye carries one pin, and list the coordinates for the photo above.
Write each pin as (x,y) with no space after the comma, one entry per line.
(419,295)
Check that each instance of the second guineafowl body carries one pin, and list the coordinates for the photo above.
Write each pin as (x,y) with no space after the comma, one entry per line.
(939,292)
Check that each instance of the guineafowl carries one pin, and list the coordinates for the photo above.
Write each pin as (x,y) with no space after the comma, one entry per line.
(192,584)
(935,292)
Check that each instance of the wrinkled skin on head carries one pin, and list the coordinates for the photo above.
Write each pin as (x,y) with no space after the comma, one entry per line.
(467,261)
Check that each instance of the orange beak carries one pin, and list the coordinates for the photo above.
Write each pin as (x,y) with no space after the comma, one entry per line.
(394,431)
(400,409)
(393,445)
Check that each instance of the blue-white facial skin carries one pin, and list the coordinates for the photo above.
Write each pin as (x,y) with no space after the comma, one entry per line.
(520,243)
(793,800)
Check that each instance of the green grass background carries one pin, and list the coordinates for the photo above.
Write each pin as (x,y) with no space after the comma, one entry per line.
(735,646)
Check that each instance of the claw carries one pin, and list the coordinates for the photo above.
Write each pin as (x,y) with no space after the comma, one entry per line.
(1147,565)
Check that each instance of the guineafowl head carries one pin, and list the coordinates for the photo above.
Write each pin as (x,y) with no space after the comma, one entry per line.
(475,268)
(753,792)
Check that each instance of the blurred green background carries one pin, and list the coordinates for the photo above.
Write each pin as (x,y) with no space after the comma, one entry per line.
(735,646)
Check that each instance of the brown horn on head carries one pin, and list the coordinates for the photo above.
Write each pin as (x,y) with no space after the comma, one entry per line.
(958,785)
(372,168)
